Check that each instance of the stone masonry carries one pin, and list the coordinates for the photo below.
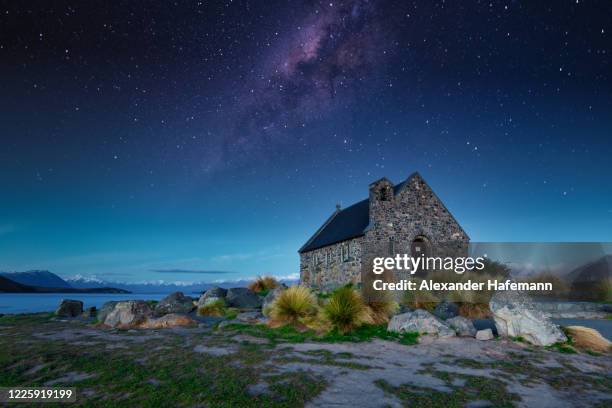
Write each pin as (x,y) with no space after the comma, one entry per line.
(399,219)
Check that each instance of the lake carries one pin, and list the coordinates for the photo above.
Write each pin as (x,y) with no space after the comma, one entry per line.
(48,302)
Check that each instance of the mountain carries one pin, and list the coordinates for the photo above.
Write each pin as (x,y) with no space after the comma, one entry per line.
(8,286)
(37,278)
(160,286)
(593,281)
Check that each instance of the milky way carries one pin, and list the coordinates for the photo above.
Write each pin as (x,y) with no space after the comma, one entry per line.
(192,135)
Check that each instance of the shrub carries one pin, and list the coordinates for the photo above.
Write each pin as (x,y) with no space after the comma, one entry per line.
(588,339)
(382,309)
(264,284)
(346,310)
(215,308)
(293,304)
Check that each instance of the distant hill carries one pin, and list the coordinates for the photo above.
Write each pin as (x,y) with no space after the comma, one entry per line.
(160,286)
(10,286)
(592,281)
(37,278)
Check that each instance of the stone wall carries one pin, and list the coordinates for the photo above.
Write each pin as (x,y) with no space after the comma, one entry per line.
(397,220)
(332,265)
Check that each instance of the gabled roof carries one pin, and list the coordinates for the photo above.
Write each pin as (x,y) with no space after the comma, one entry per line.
(350,222)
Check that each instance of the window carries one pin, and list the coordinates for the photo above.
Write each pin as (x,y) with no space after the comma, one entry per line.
(385,194)
(344,252)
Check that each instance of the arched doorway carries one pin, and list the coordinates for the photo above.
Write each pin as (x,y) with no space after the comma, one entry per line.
(420,246)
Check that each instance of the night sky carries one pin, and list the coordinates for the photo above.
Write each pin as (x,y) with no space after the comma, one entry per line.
(177,140)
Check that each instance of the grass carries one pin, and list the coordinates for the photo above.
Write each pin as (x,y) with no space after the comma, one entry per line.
(140,376)
(264,284)
(215,308)
(346,310)
(292,304)
(473,388)
(382,309)
(290,334)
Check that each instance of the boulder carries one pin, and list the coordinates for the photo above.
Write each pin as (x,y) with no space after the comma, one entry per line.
(270,298)
(486,334)
(462,325)
(69,308)
(167,321)
(446,310)
(515,315)
(176,302)
(420,321)
(251,318)
(128,314)
(242,298)
(212,294)
(105,310)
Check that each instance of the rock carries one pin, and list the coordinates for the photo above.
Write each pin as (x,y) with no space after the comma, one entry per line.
(176,302)
(482,324)
(90,312)
(463,326)
(212,294)
(446,310)
(242,298)
(128,314)
(486,334)
(251,318)
(69,308)
(586,338)
(516,316)
(105,310)
(270,298)
(420,321)
(167,321)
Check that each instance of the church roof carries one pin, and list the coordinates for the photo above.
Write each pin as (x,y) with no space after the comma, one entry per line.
(350,222)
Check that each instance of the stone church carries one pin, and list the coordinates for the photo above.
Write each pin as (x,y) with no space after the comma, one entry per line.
(394,219)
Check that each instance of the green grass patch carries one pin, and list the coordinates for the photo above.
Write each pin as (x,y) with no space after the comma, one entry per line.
(473,388)
(289,334)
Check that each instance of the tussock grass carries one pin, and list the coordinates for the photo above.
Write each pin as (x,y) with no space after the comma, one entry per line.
(382,309)
(293,304)
(346,310)
(214,309)
(263,284)
(585,338)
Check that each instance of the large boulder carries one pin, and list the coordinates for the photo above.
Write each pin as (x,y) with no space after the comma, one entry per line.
(446,310)
(486,334)
(167,321)
(243,298)
(211,295)
(515,315)
(176,302)
(69,308)
(270,298)
(105,310)
(128,314)
(462,325)
(420,321)
(251,318)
